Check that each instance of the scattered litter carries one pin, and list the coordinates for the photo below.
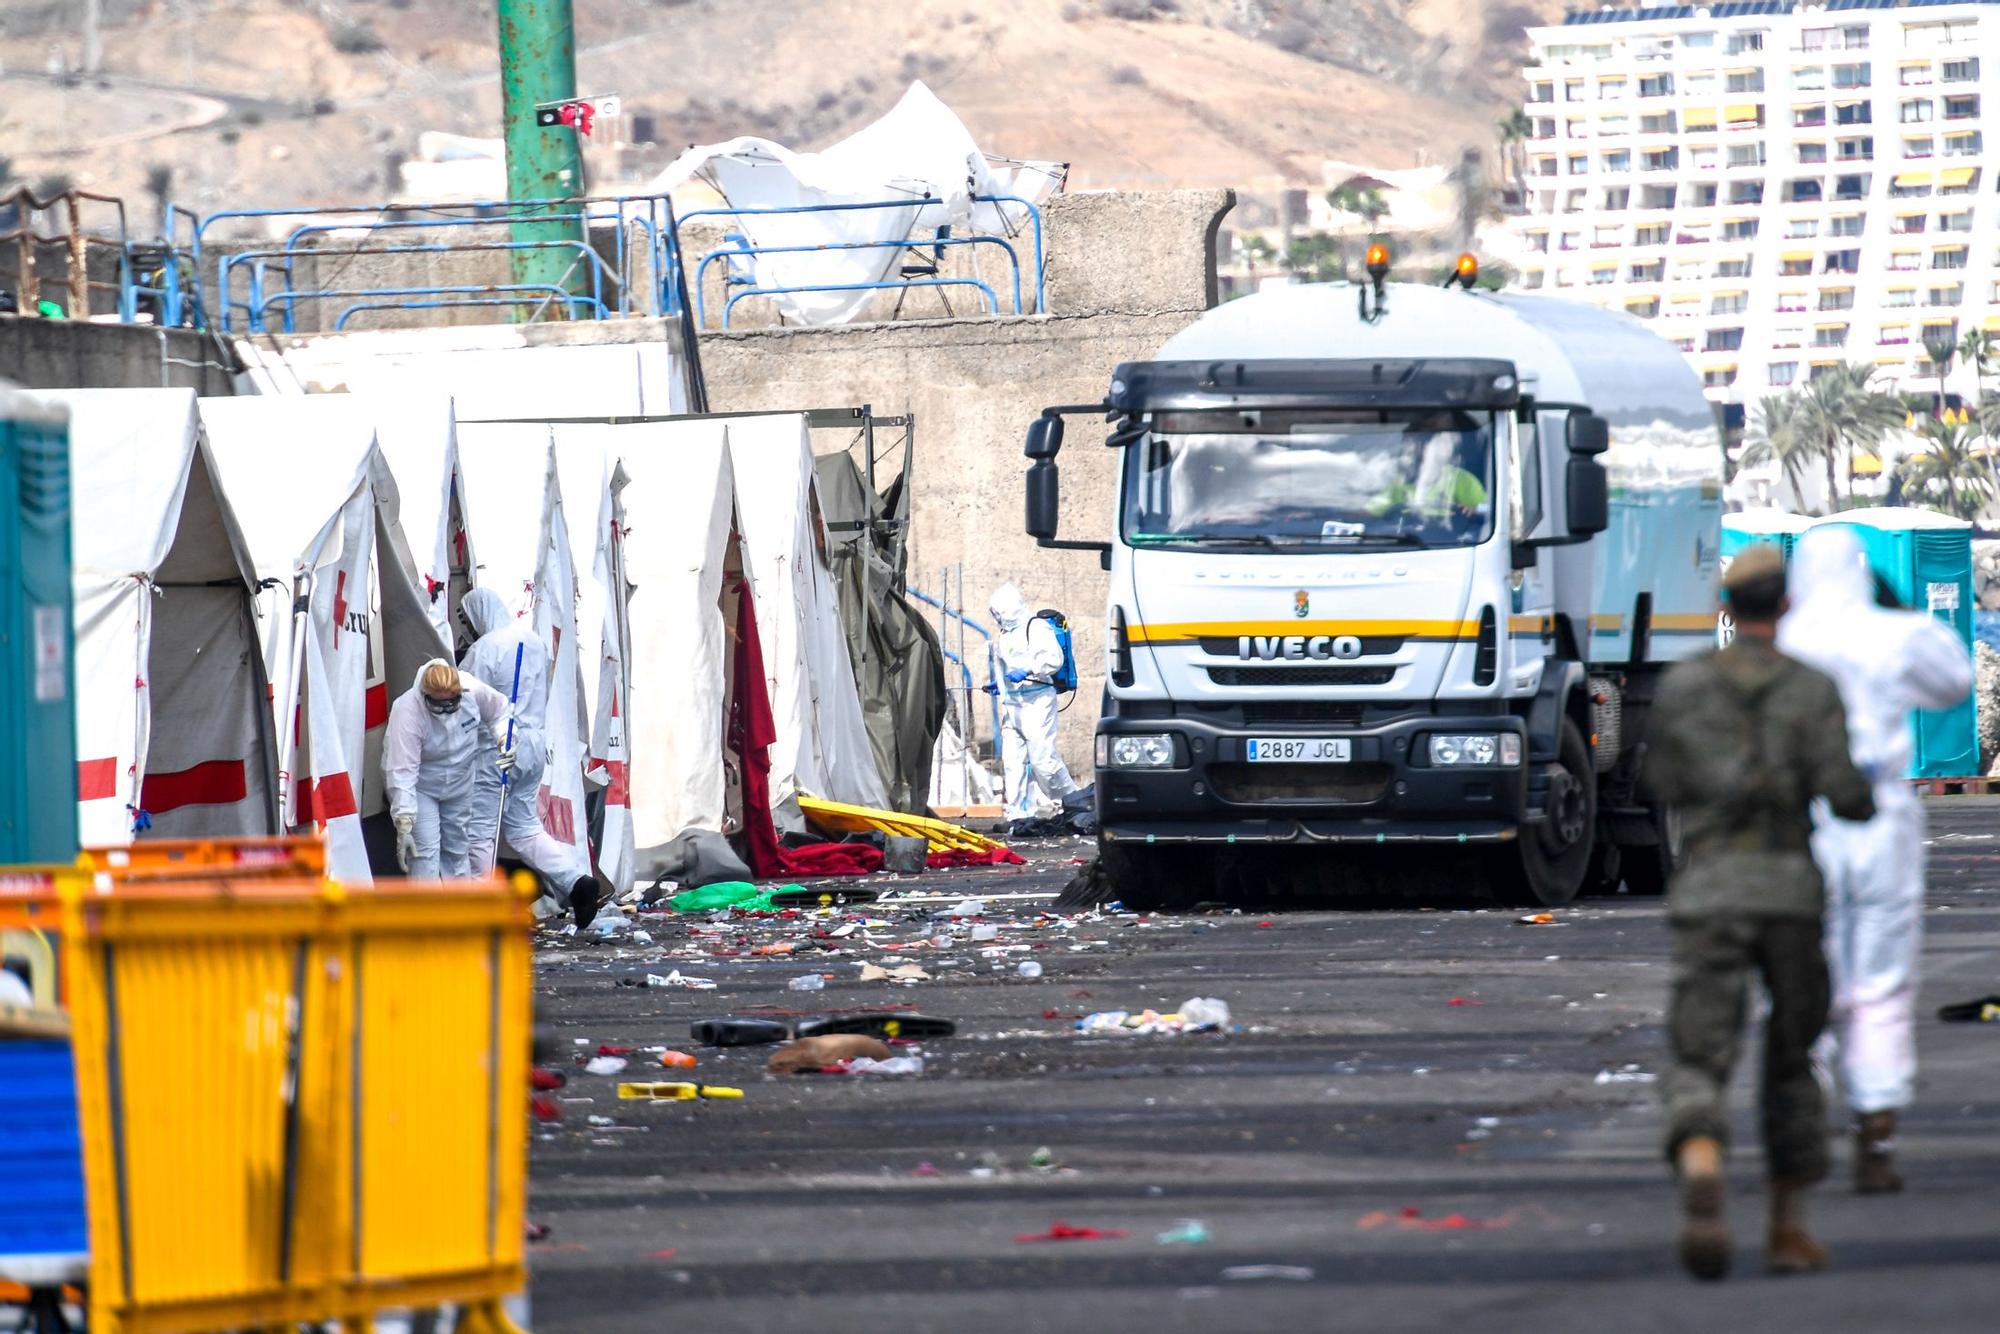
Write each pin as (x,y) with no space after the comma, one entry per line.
(902,972)
(674,1092)
(1187,1232)
(604,1065)
(1042,1159)
(546,1108)
(1263,1273)
(724,895)
(1061,1231)
(879,1024)
(985,931)
(1539,919)
(809,982)
(545,1080)
(1626,1074)
(1464,1001)
(1985,1010)
(1205,1012)
(605,1049)
(738,1032)
(677,1060)
(642,937)
(1208,1016)
(967,908)
(676,979)
(1029,969)
(602,1121)
(895,1065)
(1411,1219)
(809,1055)
(925,1170)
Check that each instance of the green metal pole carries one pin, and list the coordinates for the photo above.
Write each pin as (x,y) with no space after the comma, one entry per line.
(538,65)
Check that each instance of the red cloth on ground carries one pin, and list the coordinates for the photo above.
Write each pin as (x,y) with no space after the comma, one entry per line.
(955,857)
(751,732)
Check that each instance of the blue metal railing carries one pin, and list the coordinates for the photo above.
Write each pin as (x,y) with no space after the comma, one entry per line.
(269,290)
(738,247)
(950,613)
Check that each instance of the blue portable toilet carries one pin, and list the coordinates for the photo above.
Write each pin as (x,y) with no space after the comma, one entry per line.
(1926,560)
(1777,527)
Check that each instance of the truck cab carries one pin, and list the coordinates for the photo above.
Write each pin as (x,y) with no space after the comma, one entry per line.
(1395,565)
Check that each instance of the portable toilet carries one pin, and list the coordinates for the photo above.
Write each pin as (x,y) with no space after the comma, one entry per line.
(38,722)
(1779,528)
(1925,558)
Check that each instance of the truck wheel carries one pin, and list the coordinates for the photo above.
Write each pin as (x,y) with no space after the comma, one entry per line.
(1648,869)
(1552,857)
(1151,877)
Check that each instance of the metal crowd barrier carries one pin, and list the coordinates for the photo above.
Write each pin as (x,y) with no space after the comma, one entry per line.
(739,248)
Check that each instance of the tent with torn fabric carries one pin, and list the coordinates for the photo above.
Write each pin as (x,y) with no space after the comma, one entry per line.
(343,617)
(418,436)
(521,532)
(174,730)
(920,151)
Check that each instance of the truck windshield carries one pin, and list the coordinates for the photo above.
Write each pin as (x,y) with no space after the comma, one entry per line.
(1312,479)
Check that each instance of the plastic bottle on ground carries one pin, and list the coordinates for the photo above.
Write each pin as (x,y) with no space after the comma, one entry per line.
(808,982)
(1029,968)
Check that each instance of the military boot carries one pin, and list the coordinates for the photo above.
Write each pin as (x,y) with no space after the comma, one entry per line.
(1792,1249)
(1704,1243)
(1875,1155)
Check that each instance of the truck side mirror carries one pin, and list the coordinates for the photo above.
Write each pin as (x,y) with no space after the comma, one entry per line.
(1045,438)
(1044,489)
(1589,488)
(1589,434)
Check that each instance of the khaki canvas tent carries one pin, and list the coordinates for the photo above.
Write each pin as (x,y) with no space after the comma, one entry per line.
(343,618)
(174,729)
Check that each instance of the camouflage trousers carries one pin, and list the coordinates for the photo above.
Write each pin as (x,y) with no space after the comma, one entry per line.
(1715,960)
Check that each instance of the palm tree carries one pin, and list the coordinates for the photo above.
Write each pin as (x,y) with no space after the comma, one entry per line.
(1774,437)
(1959,480)
(1840,411)
(1514,130)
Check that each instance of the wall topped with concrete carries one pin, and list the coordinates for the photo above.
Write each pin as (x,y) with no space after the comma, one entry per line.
(42,353)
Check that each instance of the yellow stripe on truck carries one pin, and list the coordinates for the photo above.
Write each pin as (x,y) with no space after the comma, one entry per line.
(1187,632)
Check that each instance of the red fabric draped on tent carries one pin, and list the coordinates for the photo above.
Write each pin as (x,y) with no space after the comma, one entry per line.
(752,730)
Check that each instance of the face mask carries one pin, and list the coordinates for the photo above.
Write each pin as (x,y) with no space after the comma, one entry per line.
(441,707)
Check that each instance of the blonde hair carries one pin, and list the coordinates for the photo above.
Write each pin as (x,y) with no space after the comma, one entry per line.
(441,678)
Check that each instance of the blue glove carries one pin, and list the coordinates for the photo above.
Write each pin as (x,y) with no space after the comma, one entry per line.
(1015,676)
(990,688)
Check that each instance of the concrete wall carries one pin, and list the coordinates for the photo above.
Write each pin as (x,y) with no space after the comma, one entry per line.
(1125,272)
(72,354)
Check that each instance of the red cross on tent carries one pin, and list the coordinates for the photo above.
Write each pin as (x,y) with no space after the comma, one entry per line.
(339,607)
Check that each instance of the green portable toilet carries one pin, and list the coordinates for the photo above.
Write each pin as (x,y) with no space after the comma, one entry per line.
(1777,527)
(37,717)
(1926,560)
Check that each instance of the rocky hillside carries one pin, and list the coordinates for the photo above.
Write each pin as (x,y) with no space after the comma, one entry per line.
(239,103)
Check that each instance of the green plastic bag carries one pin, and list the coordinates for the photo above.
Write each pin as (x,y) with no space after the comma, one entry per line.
(727,894)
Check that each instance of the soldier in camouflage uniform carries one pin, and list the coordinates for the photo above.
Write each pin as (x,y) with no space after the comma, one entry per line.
(1744,739)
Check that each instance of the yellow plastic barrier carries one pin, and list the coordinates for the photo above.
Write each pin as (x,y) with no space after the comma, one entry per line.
(838,818)
(300,1102)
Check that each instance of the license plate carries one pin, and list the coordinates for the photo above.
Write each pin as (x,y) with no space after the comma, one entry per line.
(1301,750)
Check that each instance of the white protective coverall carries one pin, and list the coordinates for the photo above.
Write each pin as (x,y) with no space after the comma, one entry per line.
(1028,657)
(1886,664)
(491,658)
(428,761)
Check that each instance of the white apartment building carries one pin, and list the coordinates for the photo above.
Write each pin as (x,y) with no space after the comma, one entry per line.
(1777,187)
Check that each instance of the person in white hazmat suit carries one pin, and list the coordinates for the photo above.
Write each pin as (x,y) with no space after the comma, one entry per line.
(1887,663)
(433,744)
(491,658)
(1028,656)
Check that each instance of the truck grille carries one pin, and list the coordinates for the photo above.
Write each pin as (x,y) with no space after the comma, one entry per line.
(1250,784)
(1302,676)
(1331,712)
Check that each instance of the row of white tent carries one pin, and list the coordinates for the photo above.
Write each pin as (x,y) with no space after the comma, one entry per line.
(256,578)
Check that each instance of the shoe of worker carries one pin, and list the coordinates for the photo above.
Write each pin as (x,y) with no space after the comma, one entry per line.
(1704,1243)
(1875,1155)
(584,896)
(1792,1249)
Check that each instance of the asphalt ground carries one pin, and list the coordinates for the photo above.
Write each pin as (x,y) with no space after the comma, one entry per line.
(1429,1118)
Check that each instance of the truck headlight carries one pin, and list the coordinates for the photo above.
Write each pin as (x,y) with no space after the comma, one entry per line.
(1475,749)
(1145,750)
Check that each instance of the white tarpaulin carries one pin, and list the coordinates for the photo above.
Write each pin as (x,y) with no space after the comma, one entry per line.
(419,439)
(172,713)
(514,494)
(919,151)
(316,494)
(822,747)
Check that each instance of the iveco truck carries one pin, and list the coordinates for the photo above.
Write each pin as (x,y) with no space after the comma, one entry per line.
(1395,567)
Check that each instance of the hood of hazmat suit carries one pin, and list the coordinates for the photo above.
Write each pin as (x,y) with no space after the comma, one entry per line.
(1009,608)
(491,657)
(435,753)
(1886,662)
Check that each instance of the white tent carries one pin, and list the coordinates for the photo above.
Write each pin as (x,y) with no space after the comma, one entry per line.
(822,747)
(919,151)
(492,372)
(171,692)
(418,436)
(693,484)
(318,503)
(515,494)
